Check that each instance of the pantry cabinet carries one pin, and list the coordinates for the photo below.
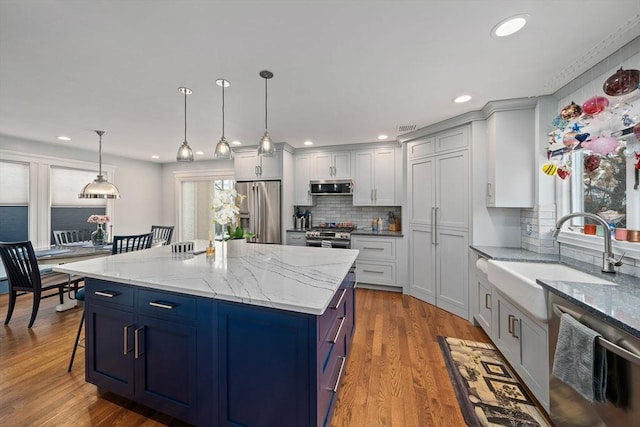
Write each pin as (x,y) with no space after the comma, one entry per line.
(437,200)
(331,165)
(510,153)
(376,176)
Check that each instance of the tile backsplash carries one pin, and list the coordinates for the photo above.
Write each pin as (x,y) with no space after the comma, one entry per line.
(341,209)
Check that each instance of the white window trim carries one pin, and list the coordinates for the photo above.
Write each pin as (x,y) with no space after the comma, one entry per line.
(39,189)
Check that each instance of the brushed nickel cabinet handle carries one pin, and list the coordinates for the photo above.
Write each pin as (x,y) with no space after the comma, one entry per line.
(513,334)
(510,321)
(136,342)
(335,338)
(335,387)
(125,346)
(433,226)
(373,271)
(487,301)
(107,294)
(165,305)
(344,291)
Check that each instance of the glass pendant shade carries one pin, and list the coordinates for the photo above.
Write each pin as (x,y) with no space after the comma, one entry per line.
(223,149)
(100,188)
(266,147)
(185,153)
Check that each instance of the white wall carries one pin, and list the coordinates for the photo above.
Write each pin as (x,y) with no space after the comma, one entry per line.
(139,182)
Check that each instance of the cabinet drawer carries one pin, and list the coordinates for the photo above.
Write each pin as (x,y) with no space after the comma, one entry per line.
(375,248)
(102,291)
(332,343)
(375,272)
(336,308)
(330,380)
(166,305)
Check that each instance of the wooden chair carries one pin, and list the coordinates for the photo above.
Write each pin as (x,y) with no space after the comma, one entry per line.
(23,274)
(131,243)
(162,233)
(64,237)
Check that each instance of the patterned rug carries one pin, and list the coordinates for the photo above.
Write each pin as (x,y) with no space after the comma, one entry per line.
(488,392)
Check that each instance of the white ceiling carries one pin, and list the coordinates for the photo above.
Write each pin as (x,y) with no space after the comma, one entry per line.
(344,71)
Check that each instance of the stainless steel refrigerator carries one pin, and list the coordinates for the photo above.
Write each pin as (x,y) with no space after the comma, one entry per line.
(260,210)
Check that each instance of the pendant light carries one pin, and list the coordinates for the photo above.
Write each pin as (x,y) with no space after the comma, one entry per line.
(100,188)
(223,149)
(185,154)
(266,147)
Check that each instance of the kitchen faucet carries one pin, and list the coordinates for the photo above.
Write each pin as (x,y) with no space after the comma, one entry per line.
(608,258)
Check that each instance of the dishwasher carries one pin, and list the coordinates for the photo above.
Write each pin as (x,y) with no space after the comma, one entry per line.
(622,408)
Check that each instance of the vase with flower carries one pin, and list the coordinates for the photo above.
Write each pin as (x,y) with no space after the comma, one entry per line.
(100,236)
(226,212)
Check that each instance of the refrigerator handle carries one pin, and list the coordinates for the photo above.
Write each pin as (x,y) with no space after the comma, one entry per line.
(258,222)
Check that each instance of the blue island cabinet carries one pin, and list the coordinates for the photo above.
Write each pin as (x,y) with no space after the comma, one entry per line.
(217,363)
(151,347)
(282,368)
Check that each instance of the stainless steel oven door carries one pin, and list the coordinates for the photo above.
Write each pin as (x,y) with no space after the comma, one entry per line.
(318,243)
(568,408)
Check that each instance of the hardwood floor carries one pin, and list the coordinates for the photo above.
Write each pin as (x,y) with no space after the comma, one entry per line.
(395,374)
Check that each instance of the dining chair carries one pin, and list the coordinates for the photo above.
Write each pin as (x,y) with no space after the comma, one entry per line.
(64,237)
(131,243)
(23,274)
(162,233)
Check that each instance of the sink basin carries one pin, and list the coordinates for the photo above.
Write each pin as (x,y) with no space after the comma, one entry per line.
(517,280)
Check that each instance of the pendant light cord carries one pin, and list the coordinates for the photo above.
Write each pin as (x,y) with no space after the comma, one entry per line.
(223,84)
(185,116)
(265,104)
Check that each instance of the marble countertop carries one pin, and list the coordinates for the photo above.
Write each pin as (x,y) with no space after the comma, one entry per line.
(617,304)
(296,278)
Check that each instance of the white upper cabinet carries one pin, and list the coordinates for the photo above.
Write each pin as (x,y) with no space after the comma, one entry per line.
(331,165)
(302,191)
(510,156)
(376,175)
(249,166)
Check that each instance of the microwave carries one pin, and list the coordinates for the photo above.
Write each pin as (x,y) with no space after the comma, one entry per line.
(331,187)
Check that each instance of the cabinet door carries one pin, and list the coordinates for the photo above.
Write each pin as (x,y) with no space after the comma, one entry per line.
(245,165)
(506,331)
(363,178)
(385,173)
(109,348)
(422,264)
(270,167)
(322,167)
(484,304)
(452,271)
(535,358)
(166,367)
(302,192)
(341,165)
(421,190)
(452,199)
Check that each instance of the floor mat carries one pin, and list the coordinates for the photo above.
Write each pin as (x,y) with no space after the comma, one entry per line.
(488,392)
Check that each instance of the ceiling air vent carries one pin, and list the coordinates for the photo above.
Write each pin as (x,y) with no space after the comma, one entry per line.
(406,128)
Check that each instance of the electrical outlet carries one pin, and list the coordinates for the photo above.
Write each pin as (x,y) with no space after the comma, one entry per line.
(529,229)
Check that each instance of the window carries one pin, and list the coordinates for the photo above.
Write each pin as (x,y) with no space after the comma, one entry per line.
(14,201)
(68,212)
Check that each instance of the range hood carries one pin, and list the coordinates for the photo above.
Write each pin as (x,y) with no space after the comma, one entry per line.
(331,187)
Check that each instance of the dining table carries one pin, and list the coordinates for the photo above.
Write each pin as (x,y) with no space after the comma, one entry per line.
(48,257)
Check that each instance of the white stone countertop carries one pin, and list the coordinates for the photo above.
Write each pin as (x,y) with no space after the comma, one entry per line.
(295,278)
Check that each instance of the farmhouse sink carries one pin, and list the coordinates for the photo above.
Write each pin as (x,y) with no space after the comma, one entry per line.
(517,280)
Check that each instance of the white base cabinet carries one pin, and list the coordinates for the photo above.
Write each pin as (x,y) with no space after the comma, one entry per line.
(524,343)
(377,262)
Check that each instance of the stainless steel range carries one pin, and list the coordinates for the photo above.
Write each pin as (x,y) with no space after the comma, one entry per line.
(329,237)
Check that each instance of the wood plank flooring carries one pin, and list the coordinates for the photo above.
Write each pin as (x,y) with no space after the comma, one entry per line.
(395,374)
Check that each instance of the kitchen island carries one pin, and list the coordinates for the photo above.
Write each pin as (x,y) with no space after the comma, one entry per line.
(257,340)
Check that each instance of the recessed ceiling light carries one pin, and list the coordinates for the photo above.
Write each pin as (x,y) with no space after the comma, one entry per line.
(64,138)
(382,136)
(236,143)
(199,153)
(155,157)
(308,143)
(462,98)
(509,26)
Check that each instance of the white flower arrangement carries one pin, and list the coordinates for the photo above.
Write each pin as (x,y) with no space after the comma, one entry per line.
(226,212)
